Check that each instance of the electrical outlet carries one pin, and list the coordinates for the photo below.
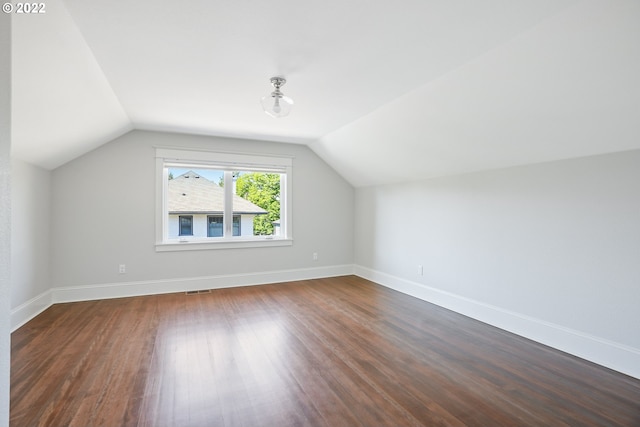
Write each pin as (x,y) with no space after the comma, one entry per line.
(315,256)
(122,268)
(420,270)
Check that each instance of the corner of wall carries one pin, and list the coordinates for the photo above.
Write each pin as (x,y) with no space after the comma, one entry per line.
(5,214)
(30,309)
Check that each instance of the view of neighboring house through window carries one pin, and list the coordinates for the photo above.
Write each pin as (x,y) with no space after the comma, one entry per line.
(209,202)
(196,203)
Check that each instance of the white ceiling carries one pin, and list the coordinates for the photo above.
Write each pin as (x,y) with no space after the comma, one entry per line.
(384,94)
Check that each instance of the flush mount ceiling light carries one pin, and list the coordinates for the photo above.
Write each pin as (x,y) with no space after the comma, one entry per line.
(276,104)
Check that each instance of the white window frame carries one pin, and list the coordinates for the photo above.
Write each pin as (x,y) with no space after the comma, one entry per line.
(228,162)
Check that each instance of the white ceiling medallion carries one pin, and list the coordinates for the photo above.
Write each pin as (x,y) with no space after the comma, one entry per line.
(276,104)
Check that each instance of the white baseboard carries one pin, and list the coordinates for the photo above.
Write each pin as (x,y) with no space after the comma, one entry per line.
(610,354)
(30,309)
(164,286)
(613,355)
(27,311)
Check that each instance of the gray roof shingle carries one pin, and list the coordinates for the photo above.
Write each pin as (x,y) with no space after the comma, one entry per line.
(193,193)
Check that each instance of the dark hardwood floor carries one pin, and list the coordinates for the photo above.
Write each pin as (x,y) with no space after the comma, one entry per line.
(329,352)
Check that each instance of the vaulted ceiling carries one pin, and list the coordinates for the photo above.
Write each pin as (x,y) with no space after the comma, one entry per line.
(384,92)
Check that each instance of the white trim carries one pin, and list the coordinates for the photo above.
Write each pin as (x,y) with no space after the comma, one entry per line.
(196,245)
(227,161)
(223,158)
(607,353)
(30,309)
(227,215)
(164,286)
(162,178)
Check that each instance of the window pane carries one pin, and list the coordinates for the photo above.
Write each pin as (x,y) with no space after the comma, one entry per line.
(256,202)
(194,193)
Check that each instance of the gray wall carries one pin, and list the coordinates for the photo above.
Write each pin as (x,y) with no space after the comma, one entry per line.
(5,213)
(103,215)
(30,231)
(556,242)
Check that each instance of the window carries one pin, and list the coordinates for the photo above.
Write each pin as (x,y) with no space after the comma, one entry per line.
(186,225)
(215,226)
(211,200)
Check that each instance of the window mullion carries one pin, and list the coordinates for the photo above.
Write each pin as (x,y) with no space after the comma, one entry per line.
(163,223)
(227,216)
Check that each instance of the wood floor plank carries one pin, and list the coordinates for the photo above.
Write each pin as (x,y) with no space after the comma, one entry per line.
(326,352)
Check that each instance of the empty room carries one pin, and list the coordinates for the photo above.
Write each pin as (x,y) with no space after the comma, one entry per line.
(339,213)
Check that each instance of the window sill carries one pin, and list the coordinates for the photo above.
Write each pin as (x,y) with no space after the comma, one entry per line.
(199,245)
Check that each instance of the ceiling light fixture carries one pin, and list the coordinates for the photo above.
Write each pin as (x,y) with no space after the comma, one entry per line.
(276,104)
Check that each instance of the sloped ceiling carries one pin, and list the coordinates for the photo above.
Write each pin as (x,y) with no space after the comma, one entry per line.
(62,104)
(384,94)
